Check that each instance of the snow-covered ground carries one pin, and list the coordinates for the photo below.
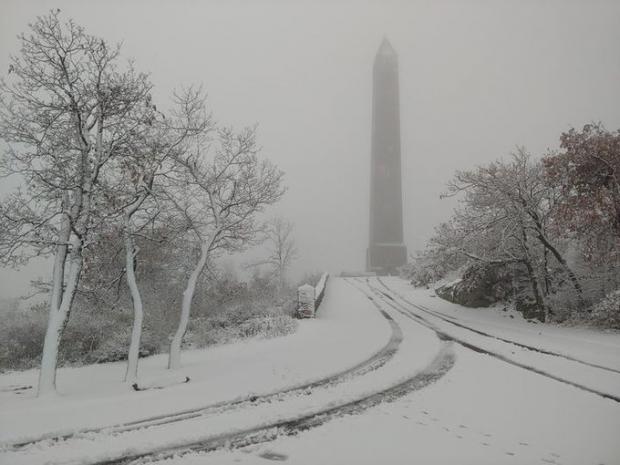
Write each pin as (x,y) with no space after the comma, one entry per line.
(358,325)
(94,395)
(592,349)
(483,410)
(586,344)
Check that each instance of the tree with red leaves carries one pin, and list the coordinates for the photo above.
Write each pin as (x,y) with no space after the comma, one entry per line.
(586,173)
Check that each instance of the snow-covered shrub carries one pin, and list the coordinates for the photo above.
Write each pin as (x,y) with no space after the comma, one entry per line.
(417,274)
(606,313)
(114,347)
(563,305)
(429,266)
(227,310)
(255,319)
(268,326)
(21,338)
(89,332)
(90,337)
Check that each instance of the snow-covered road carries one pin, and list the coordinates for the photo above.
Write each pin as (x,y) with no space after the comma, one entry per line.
(484,411)
(396,393)
(591,376)
(349,333)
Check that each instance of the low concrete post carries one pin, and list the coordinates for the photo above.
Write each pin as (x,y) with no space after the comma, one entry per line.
(305,301)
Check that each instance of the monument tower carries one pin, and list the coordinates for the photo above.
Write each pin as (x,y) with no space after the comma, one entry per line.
(386,250)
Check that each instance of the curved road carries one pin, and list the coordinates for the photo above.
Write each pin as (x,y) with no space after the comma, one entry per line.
(413,326)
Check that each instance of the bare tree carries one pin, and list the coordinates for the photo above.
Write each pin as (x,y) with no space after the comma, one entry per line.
(139,172)
(217,186)
(280,241)
(507,205)
(65,111)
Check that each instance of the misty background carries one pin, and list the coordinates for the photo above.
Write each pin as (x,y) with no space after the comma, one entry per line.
(477,78)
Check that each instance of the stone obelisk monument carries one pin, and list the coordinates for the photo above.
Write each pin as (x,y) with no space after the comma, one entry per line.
(386,250)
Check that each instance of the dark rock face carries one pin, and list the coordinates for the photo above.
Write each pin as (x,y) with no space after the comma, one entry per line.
(482,285)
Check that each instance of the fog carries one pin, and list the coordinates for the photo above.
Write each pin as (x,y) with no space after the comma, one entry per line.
(476,79)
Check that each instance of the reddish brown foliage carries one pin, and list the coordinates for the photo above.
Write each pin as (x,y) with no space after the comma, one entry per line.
(586,174)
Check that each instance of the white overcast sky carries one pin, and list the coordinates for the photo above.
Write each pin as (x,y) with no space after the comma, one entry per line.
(477,78)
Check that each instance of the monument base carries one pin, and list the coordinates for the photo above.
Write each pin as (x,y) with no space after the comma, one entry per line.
(385,259)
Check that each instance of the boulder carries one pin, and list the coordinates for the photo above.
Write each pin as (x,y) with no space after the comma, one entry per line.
(482,285)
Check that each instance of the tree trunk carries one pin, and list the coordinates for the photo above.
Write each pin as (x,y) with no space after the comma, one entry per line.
(49,359)
(545,242)
(547,279)
(571,275)
(532,275)
(58,318)
(281,282)
(138,314)
(60,260)
(174,358)
(535,290)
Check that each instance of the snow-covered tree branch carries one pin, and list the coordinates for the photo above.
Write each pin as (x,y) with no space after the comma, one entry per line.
(216,187)
(66,111)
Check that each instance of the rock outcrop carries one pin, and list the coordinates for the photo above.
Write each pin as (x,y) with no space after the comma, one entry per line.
(482,285)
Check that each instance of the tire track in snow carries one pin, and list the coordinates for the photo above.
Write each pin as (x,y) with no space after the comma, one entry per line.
(372,363)
(439,366)
(455,322)
(442,335)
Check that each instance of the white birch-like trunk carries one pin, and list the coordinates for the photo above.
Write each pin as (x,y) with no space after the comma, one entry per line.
(138,314)
(174,358)
(49,360)
(58,317)
(60,260)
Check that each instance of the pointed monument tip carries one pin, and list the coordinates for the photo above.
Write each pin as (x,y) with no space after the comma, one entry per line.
(386,48)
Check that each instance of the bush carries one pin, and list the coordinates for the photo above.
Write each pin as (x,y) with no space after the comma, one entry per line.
(90,337)
(116,345)
(240,322)
(427,267)
(606,313)
(268,326)
(21,339)
(225,311)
